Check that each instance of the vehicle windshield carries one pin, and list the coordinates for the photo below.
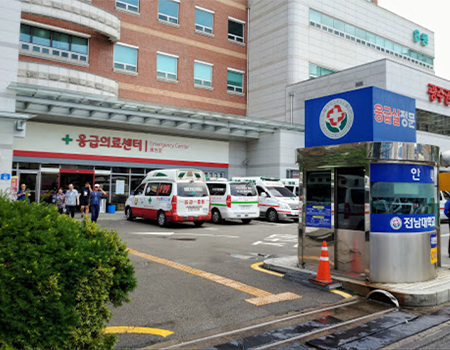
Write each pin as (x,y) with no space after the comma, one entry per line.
(243,189)
(280,192)
(192,190)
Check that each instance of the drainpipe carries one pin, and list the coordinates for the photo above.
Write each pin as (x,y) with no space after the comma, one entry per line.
(291,95)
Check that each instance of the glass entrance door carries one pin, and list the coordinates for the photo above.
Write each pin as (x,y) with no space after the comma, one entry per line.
(76,177)
(350,200)
(31,181)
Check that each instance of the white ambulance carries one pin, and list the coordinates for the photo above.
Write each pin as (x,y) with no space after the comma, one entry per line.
(171,195)
(232,200)
(276,202)
(292,185)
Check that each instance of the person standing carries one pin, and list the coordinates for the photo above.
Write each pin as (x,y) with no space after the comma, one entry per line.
(71,201)
(84,199)
(23,194)
(60,201)
(94,202)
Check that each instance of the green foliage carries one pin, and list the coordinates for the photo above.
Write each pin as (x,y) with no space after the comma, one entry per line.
(56,278)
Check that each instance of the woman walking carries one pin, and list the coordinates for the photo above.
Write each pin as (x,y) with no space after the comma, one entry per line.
(61,201)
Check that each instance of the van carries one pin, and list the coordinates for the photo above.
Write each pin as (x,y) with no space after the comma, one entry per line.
(232,200)
(276,202)
(443,197)
(171,195)
(293,185)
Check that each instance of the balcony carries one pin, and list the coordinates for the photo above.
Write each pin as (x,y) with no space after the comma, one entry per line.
(78,12)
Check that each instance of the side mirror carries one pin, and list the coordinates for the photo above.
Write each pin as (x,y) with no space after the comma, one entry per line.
(263,195)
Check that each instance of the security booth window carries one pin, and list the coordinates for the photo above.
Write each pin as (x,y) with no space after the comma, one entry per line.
(402,198)
(247,189)
(217,189)
(318,188)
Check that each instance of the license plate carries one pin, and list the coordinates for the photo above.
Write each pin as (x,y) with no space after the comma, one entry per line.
(193,209)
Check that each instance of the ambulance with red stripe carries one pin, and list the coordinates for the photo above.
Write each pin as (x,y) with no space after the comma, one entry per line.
(276,202)
(171,195)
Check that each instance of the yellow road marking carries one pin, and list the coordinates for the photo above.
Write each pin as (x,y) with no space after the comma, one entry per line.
(143,330)
(256,266)
(262,297)
(341,293)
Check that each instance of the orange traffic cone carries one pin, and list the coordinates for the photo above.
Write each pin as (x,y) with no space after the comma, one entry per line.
(323,277)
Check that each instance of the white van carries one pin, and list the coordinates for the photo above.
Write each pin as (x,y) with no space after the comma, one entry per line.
(293,185)
(276,202)
(171,195)
(232,200)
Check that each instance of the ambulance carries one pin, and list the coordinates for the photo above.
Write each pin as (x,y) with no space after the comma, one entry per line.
(292,185)
(276,202)
(171,195)
(232,200)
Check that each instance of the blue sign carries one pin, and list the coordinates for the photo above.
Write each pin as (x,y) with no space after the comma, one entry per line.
(5,177)
(364,115)
(402,223)
(401,173)
(433,249)
(318,216)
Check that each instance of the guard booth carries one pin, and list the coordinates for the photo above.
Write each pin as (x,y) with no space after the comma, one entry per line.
(369,189)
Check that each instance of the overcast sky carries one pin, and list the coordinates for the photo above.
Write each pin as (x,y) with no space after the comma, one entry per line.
(432,14)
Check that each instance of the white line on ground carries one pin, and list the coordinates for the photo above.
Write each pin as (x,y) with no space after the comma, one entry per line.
(206,235)
(153,233)
(211,228)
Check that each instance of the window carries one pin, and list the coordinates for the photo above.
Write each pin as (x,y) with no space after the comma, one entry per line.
(164,189)
(235,81)
(235,30)
(204,20)
(217,189)
(316,71)
(168,11)
(194,189)
(125,57)
(151,189)
(203,73)
(139,190)
(129,5)
(57,45)
(166,66)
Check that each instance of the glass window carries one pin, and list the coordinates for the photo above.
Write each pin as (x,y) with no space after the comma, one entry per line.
(166,66)
(235,81)
(339,25)
(119,189)
(318,189)
(243,189)
(139,190)
(235,31)
(389,45)
(168,11)
(328,21)
(202,74)
(204,21)
(164,189)
(315,16)
(80,45)
(380,41)
(371,37)
(130,5)
(192,190)
(61,41)
(280,192)
(217,189)
(152,189)
(317,71)
(350,29)
(125,58)
(41,36)
(361,34)
(25,33)
(135,182)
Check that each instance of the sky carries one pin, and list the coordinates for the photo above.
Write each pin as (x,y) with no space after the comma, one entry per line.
(433,15)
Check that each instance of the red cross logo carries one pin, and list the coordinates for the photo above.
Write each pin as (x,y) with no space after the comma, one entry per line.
(335,115)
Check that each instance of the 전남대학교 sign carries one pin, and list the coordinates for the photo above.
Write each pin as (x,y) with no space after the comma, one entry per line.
(363,115)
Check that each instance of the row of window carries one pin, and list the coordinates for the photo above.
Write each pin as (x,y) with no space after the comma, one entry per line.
(168,11)
(125,58)
(361,36)
(316,71)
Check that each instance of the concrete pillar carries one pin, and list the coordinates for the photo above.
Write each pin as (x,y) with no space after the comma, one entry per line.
(9,58)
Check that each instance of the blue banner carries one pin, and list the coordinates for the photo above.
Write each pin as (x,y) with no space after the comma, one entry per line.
(402,223)
(401,173)
(318,216)
(363,115)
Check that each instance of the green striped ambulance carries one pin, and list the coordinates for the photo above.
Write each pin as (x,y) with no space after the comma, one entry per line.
(232,200)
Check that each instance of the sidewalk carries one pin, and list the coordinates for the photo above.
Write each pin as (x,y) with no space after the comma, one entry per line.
(423,294)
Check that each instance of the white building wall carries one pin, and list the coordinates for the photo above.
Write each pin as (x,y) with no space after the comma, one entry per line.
(237,159)
(9,27)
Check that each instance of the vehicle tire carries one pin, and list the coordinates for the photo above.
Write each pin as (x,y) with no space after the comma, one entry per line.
(216,217)
(129,214)
(198,223)
(246,221)
(272,215)
(162,220)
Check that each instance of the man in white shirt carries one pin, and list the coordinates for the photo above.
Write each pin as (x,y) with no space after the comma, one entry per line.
(72,201)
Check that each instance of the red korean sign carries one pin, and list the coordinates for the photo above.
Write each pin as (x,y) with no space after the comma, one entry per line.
(439,93)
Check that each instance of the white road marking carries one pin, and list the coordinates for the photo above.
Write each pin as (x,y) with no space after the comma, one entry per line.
(153,233)
(206,235)
(211,228)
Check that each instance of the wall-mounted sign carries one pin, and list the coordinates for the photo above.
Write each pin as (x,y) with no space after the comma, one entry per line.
(318,216)
(5,177)
(364,115)
(420,37)
(439,93)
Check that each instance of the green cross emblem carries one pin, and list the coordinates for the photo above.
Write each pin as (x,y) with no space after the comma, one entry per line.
(150,200)
(67,139)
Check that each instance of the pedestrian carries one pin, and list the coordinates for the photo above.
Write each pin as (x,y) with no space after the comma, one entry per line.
(23,194)
(84,199)
(447,214)
(71,201)
(94,202)
(60,201)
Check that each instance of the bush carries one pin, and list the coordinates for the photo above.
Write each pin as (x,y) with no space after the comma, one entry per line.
(56,278)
